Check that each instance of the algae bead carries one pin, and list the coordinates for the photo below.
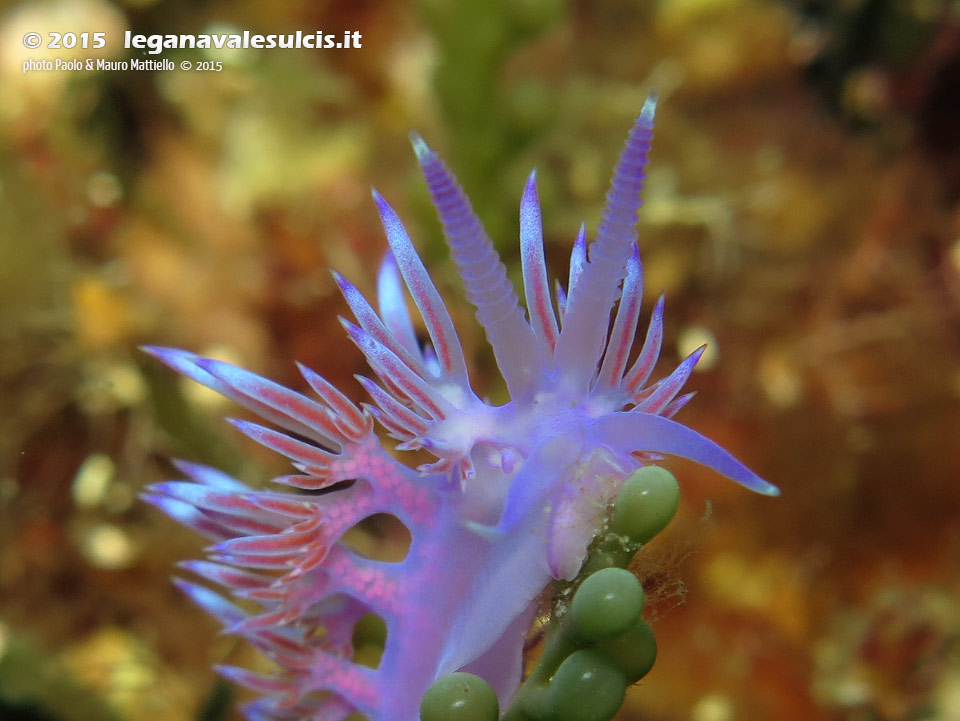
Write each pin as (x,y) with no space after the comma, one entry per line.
(588,686)
(634,651)
(607,604)
(646,503)
(459,697)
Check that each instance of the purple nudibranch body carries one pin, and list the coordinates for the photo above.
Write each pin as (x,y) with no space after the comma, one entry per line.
(512,500)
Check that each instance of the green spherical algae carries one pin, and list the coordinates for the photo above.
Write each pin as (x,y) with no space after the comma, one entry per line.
(459,697)
(647,501)
(607,604)
(588,686)
(634,651)
(370,628)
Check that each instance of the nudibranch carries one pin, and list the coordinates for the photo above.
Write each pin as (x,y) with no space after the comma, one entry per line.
(515,492)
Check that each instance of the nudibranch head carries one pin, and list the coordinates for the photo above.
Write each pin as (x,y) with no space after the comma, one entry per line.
(515,492)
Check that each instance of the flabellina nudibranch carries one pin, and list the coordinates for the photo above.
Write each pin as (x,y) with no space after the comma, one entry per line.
(512,500)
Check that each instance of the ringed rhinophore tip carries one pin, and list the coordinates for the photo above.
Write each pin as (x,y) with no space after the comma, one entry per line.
(420,147)
(649,107)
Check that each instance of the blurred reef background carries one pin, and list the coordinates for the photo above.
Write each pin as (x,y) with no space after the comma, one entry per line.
(802,215)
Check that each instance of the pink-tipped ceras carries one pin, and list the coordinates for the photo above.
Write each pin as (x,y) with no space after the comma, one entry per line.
(512,500)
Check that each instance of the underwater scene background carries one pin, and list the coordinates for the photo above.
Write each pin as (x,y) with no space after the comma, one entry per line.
(802,215)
